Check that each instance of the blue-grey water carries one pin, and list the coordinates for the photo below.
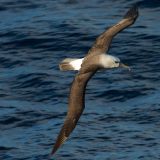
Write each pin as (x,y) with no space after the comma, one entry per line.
(121,120)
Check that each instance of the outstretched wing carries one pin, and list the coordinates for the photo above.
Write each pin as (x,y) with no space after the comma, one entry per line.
(76,107)
(103,42)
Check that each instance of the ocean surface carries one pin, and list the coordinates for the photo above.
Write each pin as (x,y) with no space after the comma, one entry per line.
(121,120)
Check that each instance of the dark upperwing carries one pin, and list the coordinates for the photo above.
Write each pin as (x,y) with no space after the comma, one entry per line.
(103,42)
(75,109)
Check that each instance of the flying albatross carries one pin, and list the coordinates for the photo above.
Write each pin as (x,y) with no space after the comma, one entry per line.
(95,59)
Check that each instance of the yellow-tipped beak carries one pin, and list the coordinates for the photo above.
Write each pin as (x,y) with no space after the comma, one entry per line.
(124,66)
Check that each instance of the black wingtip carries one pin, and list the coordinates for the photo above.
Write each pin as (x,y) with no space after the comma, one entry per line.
(132,13)
(55,148)
(51,155)
(53,152)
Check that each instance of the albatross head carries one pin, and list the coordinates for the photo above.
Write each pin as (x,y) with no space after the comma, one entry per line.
(109,61)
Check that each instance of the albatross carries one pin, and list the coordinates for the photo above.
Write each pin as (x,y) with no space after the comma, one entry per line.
(97,58)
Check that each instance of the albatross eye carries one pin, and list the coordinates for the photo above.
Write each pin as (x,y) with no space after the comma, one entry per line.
(116,62)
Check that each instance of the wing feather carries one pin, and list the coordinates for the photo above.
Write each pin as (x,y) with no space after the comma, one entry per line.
(67,128)
(76,107)
(103,42)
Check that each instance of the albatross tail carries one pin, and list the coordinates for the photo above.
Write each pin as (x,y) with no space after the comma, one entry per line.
(70,64)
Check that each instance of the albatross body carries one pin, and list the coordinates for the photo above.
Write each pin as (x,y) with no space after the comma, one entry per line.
(96,59)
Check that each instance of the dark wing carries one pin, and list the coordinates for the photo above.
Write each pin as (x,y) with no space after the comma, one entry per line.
(76,107)
(103,42)
(67,128)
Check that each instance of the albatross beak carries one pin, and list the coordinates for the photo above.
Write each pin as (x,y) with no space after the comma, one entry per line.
(124,66)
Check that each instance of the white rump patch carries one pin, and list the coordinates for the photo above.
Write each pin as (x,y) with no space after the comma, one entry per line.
(76,63)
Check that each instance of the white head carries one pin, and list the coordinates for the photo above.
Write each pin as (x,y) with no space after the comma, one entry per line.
(108,61)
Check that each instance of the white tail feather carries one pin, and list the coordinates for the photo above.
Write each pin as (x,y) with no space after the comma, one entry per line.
(70,64)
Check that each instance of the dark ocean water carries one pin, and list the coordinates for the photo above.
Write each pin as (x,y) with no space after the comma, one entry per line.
(121,120)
